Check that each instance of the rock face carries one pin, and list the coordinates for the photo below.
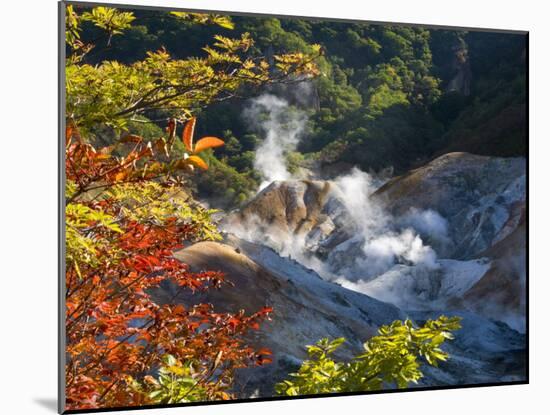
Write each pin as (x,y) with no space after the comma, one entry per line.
(341,258)
(500,292)
(302,218)
(286,208)
(483,201)
(306,307)
(476,194)
(484,351)
(448,234)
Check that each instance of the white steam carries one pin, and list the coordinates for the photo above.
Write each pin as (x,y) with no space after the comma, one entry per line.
(371,243)
(383,242)
(282,127)
(351,237)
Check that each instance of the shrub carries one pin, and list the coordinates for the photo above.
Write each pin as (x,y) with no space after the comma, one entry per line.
(390,359)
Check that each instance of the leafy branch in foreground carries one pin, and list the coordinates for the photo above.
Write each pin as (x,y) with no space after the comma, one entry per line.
(125,216)
(128,211)
(177,382)
(111,92)
(391,359)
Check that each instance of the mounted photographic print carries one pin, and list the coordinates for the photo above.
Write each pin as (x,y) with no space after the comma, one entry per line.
(260,207)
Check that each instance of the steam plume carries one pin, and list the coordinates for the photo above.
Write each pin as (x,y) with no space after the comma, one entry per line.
(282,127)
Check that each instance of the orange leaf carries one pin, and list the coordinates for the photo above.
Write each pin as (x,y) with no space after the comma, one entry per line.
(120,176)
(264,351)
(197,161)
(266,310)
(208,142)
(188,132)
(179,309)
(71,132)
(265,361)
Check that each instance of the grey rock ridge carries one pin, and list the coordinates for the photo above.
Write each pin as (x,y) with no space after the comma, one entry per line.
(340,258)
(448,234)
(288,208)
(308,308)
(477,195)
(483,200)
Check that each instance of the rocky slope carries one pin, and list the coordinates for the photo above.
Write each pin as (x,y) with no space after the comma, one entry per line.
(500,293)
(483,200)
(340,258)
(308,308)
(430,239)
(286,210)
(477,195)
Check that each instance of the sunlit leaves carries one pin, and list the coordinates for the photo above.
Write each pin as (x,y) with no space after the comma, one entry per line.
(297,63)
(83,217)
(78,48)
(70,188)
(391,359)
(111,92)
(234,45)
(198,162)
(72,26)
(201,145)
(109,19)
(151,202)
(204,18)
(126,214)
(319,374)
(82,228)
(176,383)
(127,211)
(188,132)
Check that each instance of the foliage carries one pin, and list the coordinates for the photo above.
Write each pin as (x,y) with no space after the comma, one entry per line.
(177,382)
(111,92)
(135,81)
(226,186)
(128,209)
(204,18)
(123,224)
(151,202)
(113,21)
(391,359)
(294,160)
(385,93)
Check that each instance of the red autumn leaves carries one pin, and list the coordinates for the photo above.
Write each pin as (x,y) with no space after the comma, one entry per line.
(118,326)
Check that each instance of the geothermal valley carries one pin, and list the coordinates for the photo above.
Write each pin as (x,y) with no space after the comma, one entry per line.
(340,256)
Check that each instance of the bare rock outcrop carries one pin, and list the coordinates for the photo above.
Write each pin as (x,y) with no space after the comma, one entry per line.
(480,262)
(306,307)
(475,194)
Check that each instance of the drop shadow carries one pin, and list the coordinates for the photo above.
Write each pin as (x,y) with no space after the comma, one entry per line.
(48,403)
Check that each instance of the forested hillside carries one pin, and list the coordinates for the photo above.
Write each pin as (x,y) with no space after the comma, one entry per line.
(388,96)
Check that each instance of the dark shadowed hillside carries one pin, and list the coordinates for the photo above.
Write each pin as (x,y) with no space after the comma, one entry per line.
(389,96)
